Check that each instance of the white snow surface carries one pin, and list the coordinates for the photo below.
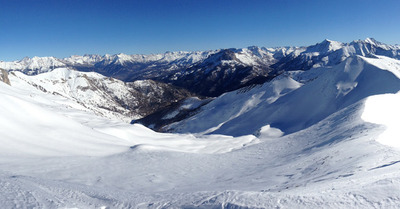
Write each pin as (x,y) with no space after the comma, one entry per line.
(56,154)
(64,127)
(384,109)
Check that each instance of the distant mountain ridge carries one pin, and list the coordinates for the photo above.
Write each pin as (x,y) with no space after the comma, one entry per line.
(210,73)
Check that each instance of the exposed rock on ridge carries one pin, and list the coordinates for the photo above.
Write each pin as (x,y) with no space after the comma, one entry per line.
(4,76)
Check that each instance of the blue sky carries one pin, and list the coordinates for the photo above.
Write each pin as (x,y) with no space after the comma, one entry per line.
(62,28)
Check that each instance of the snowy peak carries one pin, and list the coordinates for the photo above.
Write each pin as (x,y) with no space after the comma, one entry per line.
(255,56)
(325,46)
(82,60)
(330,53)
(223,57)
(370,41)
(121,59)
(33,66)
(370,46)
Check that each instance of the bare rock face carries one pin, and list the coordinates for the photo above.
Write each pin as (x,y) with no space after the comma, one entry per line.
(4,76)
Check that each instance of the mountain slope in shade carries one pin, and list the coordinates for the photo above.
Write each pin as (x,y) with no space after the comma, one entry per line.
(227,70)
(296,100)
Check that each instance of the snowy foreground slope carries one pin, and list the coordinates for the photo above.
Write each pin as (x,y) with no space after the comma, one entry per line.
(56,153)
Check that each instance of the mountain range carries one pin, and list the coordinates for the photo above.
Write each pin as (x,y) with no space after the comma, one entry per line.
(182,75)
(287,127)
(210,73)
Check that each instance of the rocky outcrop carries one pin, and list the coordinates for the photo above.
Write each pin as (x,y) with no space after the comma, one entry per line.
(4,76)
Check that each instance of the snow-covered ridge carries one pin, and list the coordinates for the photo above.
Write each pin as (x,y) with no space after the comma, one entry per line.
(330,53)
(104,96)
(37,65)
(211,73)
(33,65)
(295,100)
(322,54)
(59,125)
(136,58)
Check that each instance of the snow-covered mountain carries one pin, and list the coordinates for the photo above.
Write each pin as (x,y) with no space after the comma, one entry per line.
(295,100)
(33,66)
(305,139)
(224,71)
(106,96)
(108,63)
(329,53)
(210,73)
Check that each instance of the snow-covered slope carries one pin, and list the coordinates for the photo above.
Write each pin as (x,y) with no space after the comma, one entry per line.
(56,155)
(106,96)
(40,124)
(296,100)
